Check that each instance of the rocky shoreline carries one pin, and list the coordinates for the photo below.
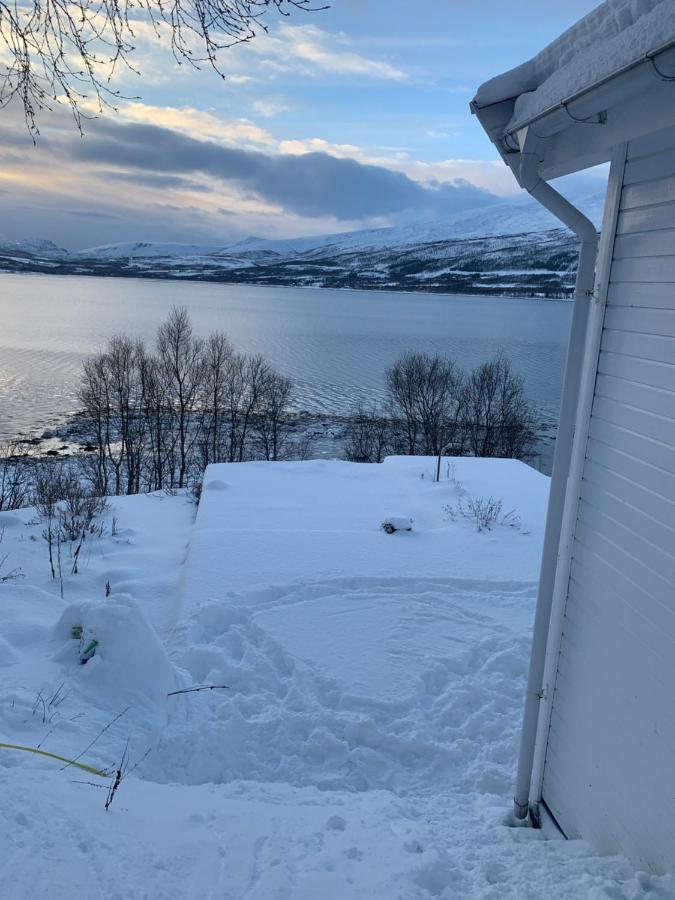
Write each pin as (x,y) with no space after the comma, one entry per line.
(310,435)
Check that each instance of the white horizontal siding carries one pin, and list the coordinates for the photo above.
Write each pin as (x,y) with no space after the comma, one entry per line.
(646,218)
(647,193)
(610,760)
(649,296)
(645,268)
(649,243)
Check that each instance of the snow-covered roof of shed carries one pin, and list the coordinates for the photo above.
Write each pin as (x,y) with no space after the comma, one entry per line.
(615,35)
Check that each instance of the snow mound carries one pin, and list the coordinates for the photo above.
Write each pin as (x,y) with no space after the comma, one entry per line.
(397,523)
(129,664)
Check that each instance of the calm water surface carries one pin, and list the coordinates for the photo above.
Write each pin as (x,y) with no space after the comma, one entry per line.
(334,344)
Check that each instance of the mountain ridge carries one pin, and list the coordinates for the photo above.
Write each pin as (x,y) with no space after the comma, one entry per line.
(514,246)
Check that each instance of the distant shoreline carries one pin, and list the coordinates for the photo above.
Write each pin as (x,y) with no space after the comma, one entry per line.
(466,292)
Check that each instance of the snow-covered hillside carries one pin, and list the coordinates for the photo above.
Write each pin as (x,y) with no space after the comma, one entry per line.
(35,247)
(144,250)
(513,247)
(508,217)
(365,744)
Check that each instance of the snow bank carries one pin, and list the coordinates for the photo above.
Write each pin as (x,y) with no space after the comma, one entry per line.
(616,34)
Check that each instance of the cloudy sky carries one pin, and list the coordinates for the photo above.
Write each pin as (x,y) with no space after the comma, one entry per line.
(350,117)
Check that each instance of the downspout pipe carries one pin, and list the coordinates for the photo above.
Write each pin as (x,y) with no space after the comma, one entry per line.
(583,291)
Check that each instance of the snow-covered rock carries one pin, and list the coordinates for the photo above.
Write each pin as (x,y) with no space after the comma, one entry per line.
(397,523)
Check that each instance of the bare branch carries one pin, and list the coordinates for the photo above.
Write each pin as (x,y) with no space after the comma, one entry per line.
(68,51)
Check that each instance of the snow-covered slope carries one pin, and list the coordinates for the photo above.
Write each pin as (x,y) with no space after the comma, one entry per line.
(144,249)
(364,747)
(509,217)
(34,247)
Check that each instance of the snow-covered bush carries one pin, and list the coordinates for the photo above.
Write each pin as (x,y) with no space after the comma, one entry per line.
(371,434)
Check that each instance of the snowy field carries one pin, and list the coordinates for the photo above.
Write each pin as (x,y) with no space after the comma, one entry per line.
(365,746)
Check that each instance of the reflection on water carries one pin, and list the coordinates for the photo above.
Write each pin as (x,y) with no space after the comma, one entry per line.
(334,344)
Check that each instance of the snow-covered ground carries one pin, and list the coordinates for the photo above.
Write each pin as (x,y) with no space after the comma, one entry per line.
(366,743)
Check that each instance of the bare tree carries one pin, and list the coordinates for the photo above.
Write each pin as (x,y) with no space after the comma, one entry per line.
(426,393)
(181,357)
(497,419)
(272,410)
(112,394)
(218,360)
(95,399)
(256,372)
(61,51)
(370,434)
(161,439)
(402,379)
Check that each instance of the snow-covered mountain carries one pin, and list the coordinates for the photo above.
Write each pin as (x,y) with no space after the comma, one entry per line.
(144,249)
(516,215)
(514,247)
(37,247)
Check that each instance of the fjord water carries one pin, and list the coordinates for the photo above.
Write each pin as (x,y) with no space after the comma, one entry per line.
(334,344)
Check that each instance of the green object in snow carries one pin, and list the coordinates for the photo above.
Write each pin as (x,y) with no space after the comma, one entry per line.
(70,762)
(88,651)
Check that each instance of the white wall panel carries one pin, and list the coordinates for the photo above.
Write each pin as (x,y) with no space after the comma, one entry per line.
(609,770)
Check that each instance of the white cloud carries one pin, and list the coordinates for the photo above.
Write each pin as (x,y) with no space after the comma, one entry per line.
(311,49)
(269,108)
(200,124)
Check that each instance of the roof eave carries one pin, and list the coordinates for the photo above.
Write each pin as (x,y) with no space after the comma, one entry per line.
(580,131)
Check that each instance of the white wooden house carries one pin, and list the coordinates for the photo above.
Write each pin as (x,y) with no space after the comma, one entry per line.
(598,742)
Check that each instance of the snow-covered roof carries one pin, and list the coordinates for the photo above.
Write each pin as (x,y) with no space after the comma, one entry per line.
(622,50)
(615,35)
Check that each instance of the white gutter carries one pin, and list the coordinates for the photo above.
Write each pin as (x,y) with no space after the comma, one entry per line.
(584,103)
(548,197)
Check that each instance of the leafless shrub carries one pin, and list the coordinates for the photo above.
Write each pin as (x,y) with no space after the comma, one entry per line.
(78,509)
(15,478)
(69,511)
(5,573)
(47,495)
(484,512)
(370,434)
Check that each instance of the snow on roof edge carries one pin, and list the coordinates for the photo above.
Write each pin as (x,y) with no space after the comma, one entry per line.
(612,37)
